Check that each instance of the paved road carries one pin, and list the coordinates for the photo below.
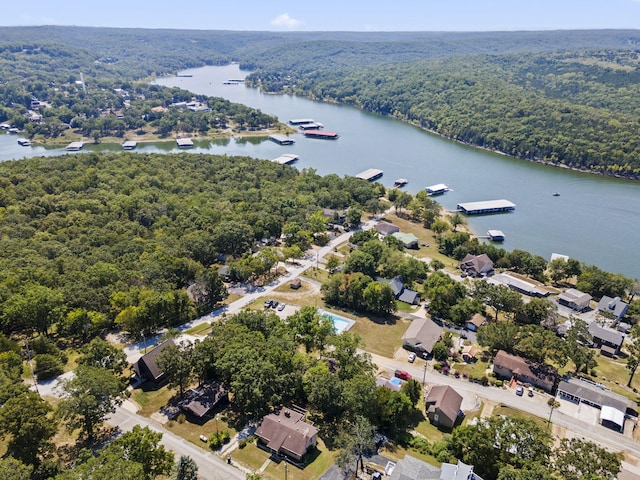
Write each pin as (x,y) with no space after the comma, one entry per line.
(210,466)
(536,405)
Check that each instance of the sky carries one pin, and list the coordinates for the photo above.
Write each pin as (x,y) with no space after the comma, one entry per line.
(328,15)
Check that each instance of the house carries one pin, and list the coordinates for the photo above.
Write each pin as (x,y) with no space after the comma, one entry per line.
(421,336)
(225,273)
(147,367)
(200,402)
(475,322)
(574,299)
(613,308)
(609,341)
(386,228)
(459,471)
(408,240)
(411,468)
(477,265)
(285,432)
(442,405)
(334,216)
(401,293)
(468,353)
(523,370)
(613,406)
(519,285)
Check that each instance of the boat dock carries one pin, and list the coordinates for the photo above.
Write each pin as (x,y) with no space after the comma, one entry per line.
(286,158)
(301,121)
(490,206)
(281,139)
(311,126)
(437,189)
(321,134)
(184,142)
(495,235)
(370,175)
(75,146)
(129,145)
(400,182)
(24,142)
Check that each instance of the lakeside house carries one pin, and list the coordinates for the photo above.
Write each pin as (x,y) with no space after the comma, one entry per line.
(408,240)
(607,340)
(477,265)
(613,308)
(574,299)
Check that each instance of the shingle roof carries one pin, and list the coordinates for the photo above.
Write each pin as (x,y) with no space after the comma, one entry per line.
(423,333)
(286,430)
(605,334)
(614,306)
(523,367)
(446,399)
(593,393)
(411,468)
(150,361)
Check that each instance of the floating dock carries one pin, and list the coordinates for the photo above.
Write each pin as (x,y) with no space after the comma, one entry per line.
(496,235)
(370,174)
(311,126)
(281,139)
(490,206)
(286,158)
(401,182)
(184,142)
(75,146)
(437,189)
(129,145)
(24,142)
(301,121)
(321,134)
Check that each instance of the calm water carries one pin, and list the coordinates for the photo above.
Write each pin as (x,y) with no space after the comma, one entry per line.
(595,219)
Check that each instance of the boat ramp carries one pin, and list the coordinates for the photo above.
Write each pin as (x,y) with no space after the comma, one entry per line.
(286,158)
(281,139)
(370,175)
(489,206)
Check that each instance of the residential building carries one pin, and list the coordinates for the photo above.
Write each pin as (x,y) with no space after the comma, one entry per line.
(477,265)
(285,432)
(401,293)
(411,468)
(200,402)
(523,370)
(574,299)
(519,285)
(475,322)
(408,240)
(386,228)
(147,366)
(613,308)
(607,340)
(442,405)
(421,336)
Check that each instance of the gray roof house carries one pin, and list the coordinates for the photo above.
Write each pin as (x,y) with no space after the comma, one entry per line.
(613,307)
(386,228)
(401,293)
(609,341)
(574,299)
(422,335)
(411,468)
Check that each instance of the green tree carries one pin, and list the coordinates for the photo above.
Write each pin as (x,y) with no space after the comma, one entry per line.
(47,366)
(35,308)
(185,469)
(577,339)
(26,419)
(354,217)
(440,351)
(107,465)
(142,445)
(332,262)
(355,441)
(413,390)
(176,361)
(575,459)
(100,353)
(379,299)
(311,328)
(633,349)
(91,395)
(13,469)
(499,336)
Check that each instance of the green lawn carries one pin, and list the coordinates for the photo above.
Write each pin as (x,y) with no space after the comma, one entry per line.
(191,431)
(472,369)
(151,401)
(201,329)
(380,338)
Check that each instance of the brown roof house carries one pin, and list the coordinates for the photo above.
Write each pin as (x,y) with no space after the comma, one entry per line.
(477,265)
(421,336)
(475,322)
(523,370)
(284,432)
(442,405)
(202,401)
(147,367)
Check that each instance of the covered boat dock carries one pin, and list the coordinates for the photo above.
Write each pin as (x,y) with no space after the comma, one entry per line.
(489,206)
(281,139)
(370,174)
(286,158)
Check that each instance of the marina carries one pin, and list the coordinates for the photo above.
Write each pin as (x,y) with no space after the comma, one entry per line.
(486,207)
(286,159)
(437,189)
(370,174)
(129,145)
(281,139)
(311,126)
(321,134)
(75,146)
(184,142)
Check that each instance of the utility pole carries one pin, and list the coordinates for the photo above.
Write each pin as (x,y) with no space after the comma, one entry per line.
(424,375)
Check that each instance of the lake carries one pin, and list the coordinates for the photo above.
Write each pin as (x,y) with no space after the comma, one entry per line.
(595,219)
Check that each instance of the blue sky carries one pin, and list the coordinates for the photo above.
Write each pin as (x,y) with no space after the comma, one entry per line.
(323,15)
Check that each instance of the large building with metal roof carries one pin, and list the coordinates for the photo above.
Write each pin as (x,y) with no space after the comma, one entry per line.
(489,206)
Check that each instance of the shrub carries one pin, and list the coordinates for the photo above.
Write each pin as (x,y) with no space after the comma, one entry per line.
(420,444)
(47,366)
(498,383)
(181,418)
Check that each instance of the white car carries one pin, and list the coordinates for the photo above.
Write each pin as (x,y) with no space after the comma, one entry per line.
(412,357)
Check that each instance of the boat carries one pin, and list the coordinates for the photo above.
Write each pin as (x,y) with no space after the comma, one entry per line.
(556,194)
(401,182)
(24,142)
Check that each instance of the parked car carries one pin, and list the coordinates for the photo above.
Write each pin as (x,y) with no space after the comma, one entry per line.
(267,303)
(412,357)
(530,392)
(274,303)
(281,307)
(401,374)
(519,390)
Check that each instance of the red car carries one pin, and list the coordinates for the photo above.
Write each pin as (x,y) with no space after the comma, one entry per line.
(403,375)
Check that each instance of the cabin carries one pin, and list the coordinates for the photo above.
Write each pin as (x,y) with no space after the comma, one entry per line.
(285,432)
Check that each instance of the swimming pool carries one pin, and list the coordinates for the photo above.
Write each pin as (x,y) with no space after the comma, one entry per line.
(340,324)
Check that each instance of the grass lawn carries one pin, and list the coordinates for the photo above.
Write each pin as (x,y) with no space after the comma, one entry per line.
(425,428)
(317,274)
(250,456)
(232,297)
(614,374)
(191,431)
(472,369)
(201,329)
(405,307)
(318,463)
(381,338)
(515,413)
(151,401)
(396,452)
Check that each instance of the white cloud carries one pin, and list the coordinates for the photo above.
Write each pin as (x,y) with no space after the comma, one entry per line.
(284,20)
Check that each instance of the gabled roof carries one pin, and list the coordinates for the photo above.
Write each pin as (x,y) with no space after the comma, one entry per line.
(149,361)
(604,334)
(203,400)
(411,468)
(406,238)
(477,264)
(614,306)
(386,228)
(286,429)
(478,320)
(571,295)
(397,284)
(593,393)
(525,368)
(460,471)
(446,399)
(423,333)
(409,296)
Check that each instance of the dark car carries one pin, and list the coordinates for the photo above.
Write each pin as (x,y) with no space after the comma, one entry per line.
(274,303)
(401,374)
